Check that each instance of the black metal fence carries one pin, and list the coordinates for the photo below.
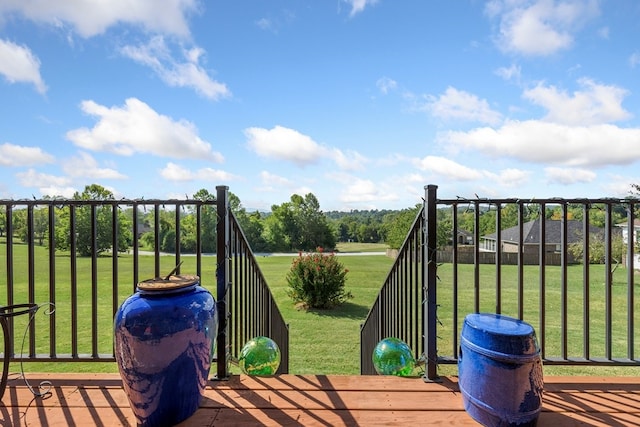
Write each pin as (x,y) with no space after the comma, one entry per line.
(398,310)
(245,303)
(583,310)
(39,240)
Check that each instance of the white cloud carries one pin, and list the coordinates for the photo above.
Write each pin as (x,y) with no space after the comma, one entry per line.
(137,128)
(270,179)
(189,73)
(92,17)
(358,6)
(274,23)
(634,59)
(19,64)
(290,145)
(17,155)
(284,144)
(539,27)
(53,191)
(210,174)
(272,183)
(414,178)
(386,85)
(84,165)
(551,143)
(593,104)
(33,178)
(511,73)
(265,24)
(358,190)
(175,172)
(568,176)
(447,168)
(510,177)
(456,104)
(349,160)
(620,186)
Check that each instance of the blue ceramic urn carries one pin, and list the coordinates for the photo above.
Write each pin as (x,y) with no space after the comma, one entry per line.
(164,341)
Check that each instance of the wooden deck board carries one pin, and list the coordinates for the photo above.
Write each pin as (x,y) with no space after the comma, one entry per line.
(315,400)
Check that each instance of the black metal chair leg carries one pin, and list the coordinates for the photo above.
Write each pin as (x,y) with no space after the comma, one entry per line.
(6,356)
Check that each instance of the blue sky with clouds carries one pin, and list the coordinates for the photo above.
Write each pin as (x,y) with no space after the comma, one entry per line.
(361,102)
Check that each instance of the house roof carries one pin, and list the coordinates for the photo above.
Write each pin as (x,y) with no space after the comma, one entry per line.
(553,232)
(465,233)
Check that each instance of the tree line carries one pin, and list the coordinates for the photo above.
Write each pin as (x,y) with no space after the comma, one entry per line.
(295,225)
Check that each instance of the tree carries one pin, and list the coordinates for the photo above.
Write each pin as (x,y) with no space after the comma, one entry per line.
(397,226)
(254,232)
(299,225)
(597,249)
(368,233)
(166,225)
(359,226)
(82,230)
(209,221)
(39,226)
(19,223)
(313,227)
(274,232)
(3,222)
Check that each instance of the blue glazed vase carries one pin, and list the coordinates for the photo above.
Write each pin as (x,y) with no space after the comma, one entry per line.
(164,341)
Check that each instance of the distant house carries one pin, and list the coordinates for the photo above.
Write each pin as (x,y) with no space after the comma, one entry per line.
(464,237)
(143,227)
(624,226)
(531,237)
(635,238)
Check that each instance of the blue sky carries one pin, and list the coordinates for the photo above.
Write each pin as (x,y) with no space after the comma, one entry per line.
(361,102)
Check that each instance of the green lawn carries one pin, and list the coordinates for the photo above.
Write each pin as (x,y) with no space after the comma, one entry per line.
(552,328)
(322,341)
(328,341)
(361,247)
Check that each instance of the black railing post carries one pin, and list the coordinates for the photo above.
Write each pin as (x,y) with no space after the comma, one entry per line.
(222,278)
(631,244)
(429,267)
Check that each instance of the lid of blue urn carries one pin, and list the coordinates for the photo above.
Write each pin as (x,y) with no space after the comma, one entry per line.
(168,283)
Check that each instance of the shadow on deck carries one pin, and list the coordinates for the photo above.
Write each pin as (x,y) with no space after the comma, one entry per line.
(315,400)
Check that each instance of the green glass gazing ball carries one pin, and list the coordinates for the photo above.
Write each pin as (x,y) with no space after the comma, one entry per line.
(392,356)
(259,356)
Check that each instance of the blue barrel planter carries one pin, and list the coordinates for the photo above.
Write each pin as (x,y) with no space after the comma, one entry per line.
(164,340)
(500,370)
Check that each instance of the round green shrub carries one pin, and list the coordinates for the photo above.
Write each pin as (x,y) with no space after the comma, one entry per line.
(317,280)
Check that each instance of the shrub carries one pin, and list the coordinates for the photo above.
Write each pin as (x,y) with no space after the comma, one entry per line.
(317,280)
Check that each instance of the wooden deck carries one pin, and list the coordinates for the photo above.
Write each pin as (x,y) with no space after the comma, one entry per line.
(315,400)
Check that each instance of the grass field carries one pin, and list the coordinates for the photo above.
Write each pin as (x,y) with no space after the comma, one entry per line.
(328,341)
(323,341)
(360,247)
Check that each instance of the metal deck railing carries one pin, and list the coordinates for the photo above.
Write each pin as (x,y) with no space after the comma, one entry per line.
(583,313)
(245,301)
(84,292)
